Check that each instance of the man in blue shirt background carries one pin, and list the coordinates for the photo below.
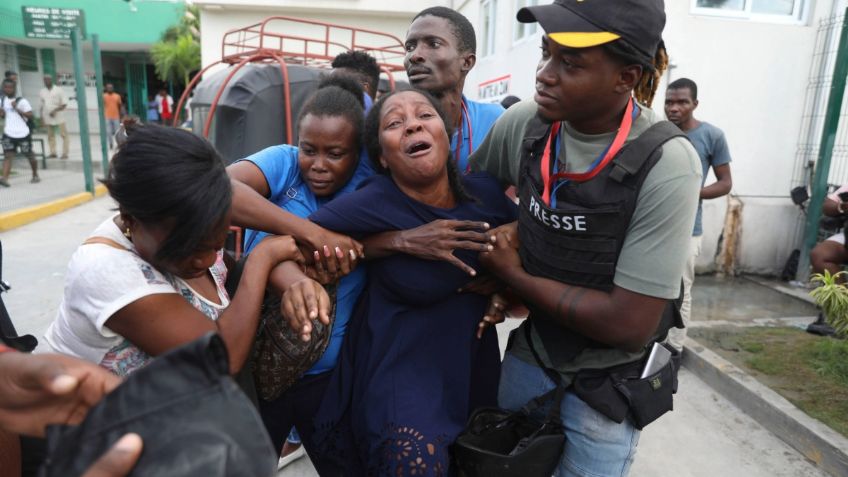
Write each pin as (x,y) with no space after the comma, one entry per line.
(440,52)
(681,99)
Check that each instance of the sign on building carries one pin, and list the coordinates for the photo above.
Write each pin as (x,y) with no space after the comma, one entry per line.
(494,90)
(52,23)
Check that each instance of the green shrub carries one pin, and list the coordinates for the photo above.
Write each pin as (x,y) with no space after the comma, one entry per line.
(832,297)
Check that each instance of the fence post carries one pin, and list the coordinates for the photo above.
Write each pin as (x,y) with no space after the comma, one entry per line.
(85,140)
(98,73)
(828,140)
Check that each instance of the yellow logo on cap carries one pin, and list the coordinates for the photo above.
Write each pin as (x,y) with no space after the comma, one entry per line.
(583,39)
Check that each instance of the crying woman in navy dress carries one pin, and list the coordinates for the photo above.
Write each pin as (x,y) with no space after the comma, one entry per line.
(412,368)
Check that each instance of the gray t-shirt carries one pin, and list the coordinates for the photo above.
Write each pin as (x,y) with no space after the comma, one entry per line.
(657,242)
(711,146)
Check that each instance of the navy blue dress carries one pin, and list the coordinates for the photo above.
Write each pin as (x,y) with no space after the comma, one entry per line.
(411,369)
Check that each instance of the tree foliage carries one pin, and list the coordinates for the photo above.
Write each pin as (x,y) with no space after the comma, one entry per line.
(832,297)
(177,54)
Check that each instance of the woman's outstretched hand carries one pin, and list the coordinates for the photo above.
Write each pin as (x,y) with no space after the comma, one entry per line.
(438,240)
(302,302)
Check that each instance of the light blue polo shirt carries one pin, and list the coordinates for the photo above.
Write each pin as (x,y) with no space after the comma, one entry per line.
(292,194)
(481,117)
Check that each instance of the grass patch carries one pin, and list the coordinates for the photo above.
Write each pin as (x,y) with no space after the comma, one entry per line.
(810,371)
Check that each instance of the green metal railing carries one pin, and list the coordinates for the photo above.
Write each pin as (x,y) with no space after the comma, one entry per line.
(828,141)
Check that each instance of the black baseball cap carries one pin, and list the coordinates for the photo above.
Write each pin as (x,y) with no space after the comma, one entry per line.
(586,23)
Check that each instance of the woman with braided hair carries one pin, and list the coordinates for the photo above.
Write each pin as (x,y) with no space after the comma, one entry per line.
(608,194)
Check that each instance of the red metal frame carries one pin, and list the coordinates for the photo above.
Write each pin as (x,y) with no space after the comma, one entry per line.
(273,35)
(190,87)
(260,43)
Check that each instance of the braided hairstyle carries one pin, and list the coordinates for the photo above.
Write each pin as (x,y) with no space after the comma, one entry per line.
(652,70)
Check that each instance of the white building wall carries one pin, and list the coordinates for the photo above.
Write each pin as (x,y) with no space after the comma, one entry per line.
(752,79)
(219,16)
(65,64)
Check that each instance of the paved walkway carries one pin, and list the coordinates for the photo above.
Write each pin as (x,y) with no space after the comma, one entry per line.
(61,178)
(705,436)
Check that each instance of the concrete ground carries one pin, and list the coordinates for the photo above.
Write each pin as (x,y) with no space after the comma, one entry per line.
(61,178)
(705,436)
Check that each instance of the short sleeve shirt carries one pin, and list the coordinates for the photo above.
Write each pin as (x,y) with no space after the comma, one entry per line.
(16,126)
(657,240)
(835,195)
(112,105)
(102,280)
(50,100)
(475,126)
(711,146)
(288,191)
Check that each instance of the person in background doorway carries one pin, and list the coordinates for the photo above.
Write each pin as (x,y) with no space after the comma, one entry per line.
(681,100)
(509,101)
(187,117)
(112,105)
(364,69)
(152,110)
(17,135)
(166,106)
(53,104)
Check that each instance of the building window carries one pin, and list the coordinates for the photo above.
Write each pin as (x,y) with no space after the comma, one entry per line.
(789,11)
(524,30)
(489,16)
(27,58)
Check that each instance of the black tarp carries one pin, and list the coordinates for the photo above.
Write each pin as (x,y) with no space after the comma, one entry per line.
(250,115)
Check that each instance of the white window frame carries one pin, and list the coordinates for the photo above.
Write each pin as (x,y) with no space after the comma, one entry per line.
(516,40)
(799,14)
(489,46)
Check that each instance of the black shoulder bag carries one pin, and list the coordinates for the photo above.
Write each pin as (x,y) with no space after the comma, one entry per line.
(514,443)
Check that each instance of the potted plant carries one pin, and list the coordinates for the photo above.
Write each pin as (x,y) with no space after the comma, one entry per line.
(832,297)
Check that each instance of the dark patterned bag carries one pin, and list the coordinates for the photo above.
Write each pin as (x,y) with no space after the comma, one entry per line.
(280,355)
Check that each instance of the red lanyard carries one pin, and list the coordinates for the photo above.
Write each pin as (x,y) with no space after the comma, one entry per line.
(617,143)
(464,116)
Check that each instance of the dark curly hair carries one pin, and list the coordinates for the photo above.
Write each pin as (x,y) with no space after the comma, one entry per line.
(374,149)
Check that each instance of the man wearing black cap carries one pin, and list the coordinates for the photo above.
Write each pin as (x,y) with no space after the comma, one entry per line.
(608,194)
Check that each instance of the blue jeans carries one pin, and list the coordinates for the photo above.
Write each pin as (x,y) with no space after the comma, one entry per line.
(112,126)
(595,446)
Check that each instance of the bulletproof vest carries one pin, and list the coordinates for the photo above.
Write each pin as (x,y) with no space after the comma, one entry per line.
(578,242)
